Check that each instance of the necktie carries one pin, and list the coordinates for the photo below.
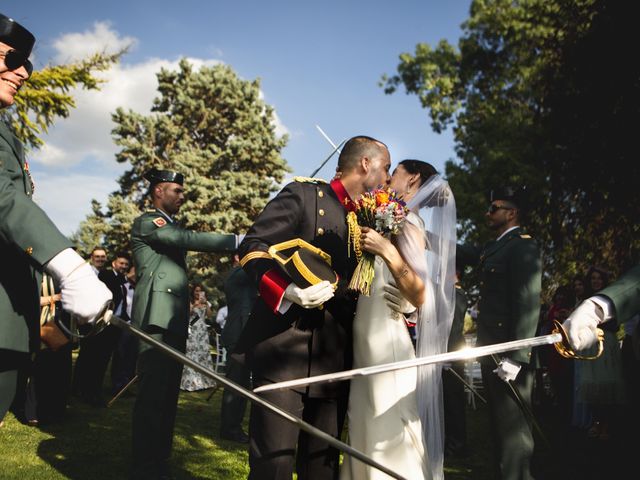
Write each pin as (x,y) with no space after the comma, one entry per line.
(124,314)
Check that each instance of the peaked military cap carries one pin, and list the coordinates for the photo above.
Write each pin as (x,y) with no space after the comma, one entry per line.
(515,195)
(20,39)
(158,176)
(305,264)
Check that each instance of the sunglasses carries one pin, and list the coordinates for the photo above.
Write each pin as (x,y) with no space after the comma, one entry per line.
(14,59)
(494,208)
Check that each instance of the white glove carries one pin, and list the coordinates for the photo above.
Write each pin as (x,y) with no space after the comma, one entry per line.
(507,370)
(83,295)
(582,324)
(309,297)
(395,301)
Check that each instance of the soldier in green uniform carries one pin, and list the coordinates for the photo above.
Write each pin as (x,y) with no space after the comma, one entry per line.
(241,294)
(509,307)
(620,300)
(29,241)
(161,308)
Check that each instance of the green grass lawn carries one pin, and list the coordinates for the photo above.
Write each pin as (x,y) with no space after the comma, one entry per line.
(95,444)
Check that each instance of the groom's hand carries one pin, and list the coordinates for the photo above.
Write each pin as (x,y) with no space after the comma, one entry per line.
(310,297)
(395,301)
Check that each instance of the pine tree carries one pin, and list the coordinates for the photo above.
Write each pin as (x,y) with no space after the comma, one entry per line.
(45,97)
(214,128)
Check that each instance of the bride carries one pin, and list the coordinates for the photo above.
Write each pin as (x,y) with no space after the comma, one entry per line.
(385,421)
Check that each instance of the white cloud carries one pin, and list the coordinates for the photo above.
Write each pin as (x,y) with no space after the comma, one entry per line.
(82,142)
(67,198)
(72,47)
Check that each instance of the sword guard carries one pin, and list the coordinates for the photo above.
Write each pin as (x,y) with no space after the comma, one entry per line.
(565,349)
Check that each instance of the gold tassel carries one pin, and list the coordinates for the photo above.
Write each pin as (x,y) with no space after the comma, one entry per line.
(354,234)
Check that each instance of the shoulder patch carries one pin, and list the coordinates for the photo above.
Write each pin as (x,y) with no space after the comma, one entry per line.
(309,180)
(159,222)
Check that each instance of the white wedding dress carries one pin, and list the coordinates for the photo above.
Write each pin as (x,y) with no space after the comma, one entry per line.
(383,411)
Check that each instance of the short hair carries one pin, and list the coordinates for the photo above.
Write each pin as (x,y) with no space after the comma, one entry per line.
(355,148)
(122,254)
(426,170)
(95,249)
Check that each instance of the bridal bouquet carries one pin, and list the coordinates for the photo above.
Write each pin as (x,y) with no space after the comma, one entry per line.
(382,211)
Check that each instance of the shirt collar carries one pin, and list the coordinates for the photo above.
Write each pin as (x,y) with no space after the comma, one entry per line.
(343,195)
(507,231)
(165,214)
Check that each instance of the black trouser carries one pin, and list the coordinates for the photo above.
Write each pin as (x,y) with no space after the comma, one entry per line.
(92,362)
(123,361)
(455,424)
(512,438)
(233,405)
(10,362)
(154,412)
(273,440)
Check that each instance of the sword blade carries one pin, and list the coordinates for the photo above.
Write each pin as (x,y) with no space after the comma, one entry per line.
(466,384)
(251,396)
(464,354)
(336,149)
(327,138)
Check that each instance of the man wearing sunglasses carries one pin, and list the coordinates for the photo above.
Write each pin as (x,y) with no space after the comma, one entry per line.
(509,307)
(29,241)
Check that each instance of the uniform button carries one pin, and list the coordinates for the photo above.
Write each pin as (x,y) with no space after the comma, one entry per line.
(169,290)
(493,269)
(481,283)
(321,212)
(499,324)
(321,231)
(320,193)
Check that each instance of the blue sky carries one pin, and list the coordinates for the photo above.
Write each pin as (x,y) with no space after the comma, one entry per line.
(319,64)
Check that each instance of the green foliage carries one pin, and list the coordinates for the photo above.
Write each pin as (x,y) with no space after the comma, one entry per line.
(45,97)
(537,97)
(214,128)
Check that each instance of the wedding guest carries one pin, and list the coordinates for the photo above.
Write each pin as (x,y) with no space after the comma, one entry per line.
(198,346)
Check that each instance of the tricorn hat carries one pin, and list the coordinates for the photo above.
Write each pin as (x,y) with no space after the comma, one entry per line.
(305,264)
(16,36)
(158,176)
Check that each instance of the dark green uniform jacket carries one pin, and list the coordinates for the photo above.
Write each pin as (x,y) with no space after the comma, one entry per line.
(28,240)
(625,294)
(159,246)
(510,284)
(241,294)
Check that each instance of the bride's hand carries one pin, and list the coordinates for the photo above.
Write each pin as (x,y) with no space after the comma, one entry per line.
(372,242)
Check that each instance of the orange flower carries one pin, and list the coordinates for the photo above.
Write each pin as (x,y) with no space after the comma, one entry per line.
(382,198)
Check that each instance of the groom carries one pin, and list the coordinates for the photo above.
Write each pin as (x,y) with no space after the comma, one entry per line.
(287,336)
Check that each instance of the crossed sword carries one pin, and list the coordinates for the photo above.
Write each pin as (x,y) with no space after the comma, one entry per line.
(557,338)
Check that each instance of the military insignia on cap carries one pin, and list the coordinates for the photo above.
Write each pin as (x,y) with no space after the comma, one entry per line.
(525,236)
(159,222)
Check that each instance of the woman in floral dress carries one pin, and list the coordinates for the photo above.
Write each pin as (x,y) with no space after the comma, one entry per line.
(198,346)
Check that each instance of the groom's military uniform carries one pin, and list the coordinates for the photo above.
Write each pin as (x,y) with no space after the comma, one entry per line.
(298,342)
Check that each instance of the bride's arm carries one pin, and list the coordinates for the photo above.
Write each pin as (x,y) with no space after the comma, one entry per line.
(410,285)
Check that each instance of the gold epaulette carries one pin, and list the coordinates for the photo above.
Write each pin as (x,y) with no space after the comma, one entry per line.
(524,235)
(309,180)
